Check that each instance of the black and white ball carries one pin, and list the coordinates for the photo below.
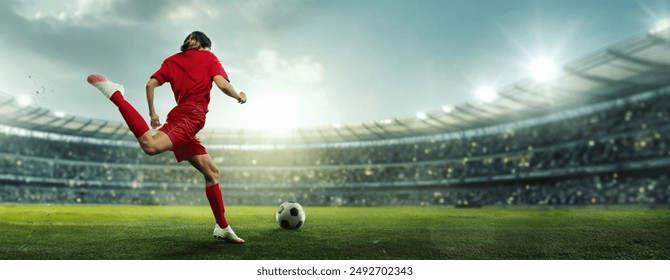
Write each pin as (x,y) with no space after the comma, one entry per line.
(290,215)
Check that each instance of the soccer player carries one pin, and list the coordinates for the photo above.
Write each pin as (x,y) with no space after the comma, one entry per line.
(190,74)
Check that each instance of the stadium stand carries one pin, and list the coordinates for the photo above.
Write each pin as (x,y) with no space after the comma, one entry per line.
(596,135)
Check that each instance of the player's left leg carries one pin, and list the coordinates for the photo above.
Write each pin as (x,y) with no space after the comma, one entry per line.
(206,166)
(150,144)
(115,92)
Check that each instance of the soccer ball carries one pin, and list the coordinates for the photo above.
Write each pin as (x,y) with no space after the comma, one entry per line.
(290,215)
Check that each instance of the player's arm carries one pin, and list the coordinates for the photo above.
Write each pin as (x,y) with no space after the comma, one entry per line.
(228,89)
(152,84)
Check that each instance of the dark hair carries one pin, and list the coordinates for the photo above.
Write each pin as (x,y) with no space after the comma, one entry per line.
(199,37)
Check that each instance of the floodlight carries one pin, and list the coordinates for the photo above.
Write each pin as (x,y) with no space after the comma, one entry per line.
(24,101)
(421,116)
(337,125)
(543,70)
(661,25)
(59,114)
(486,93)
(446,108)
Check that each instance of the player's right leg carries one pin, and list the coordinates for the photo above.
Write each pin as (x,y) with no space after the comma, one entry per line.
(151,144)
(227,234)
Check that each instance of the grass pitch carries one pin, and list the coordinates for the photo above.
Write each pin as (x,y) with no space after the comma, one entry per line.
(38,232)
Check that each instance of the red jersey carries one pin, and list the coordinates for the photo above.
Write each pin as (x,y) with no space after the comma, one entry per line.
(190,75)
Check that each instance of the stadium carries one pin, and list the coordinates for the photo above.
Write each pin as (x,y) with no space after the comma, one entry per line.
(592,140)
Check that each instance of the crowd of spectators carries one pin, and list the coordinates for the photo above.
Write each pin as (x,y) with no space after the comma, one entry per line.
(577,159)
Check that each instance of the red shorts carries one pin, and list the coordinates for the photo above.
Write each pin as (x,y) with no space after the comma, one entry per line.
(181,125)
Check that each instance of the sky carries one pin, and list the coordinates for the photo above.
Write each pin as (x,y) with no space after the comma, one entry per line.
(303,63)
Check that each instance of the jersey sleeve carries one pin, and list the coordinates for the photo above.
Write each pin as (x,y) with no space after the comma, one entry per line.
(162,74)
(216,68)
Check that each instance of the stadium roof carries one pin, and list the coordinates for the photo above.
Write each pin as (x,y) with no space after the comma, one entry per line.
(638,64)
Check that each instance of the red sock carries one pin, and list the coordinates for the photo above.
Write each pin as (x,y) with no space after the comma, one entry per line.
(133,119)
(216,203)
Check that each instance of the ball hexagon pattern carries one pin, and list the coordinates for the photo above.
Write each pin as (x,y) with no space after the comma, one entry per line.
(290,215)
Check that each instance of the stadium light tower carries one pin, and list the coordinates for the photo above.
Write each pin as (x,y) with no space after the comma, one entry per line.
(543,69)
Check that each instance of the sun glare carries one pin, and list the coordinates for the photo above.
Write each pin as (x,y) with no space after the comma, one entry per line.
(273,114)
(543,69)
(661,25)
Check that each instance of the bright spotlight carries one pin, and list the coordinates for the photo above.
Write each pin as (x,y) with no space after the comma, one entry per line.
(486,93)
(337,125)
(59,114)
(24,101)
(275,114)
(661,25)
(421,116)
(446,108)
(543,70)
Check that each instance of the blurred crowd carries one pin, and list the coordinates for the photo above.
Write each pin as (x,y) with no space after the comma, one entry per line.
(606,155)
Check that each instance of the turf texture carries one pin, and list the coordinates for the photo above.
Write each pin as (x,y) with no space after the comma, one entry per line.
(95,232)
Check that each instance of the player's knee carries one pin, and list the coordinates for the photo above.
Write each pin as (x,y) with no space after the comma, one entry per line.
(212,175)
(215,174)
(149,149)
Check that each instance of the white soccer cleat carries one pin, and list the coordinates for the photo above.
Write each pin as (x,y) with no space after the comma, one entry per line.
(227,234)
(107,87)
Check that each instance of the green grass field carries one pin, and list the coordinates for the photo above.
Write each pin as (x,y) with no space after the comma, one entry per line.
(38,232)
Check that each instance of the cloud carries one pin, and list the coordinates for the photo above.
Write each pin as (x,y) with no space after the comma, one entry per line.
(66,13)
(275,70)
(186,13)
(75,13)
(269,12)
(92,14)
(266,19)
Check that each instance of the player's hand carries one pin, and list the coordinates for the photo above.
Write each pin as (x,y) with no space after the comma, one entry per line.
(243,98)
(155,122)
